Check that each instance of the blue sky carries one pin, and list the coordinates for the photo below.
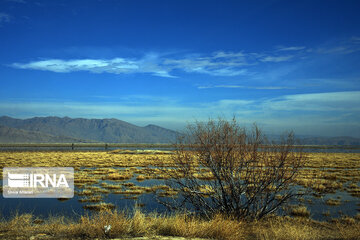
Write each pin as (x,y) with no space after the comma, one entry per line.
(283,64)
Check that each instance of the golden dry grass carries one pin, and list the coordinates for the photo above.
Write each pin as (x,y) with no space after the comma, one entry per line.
(327,169)
(299,211)
(333,202)
(179,225)
(100,206)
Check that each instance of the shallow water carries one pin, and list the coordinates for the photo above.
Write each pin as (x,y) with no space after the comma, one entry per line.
(44,207)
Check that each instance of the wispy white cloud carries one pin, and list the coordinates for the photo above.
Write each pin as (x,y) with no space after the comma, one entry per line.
(355,39)
(233,102)
(4,17)
(223,63)
(330,101)
(226,72)
(347,46)
(116,65)
(338,50)
(341,83)
(222,54)
(135,99)
(92,65)
(218,63)
(276,58)
(295,48)
(246,87)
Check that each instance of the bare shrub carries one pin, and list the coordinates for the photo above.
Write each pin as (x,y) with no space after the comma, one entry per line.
(223,168)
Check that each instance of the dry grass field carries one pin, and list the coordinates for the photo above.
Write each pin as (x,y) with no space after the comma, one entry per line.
(153,226)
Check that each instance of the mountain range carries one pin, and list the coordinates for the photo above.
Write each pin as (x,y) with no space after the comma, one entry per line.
(76,130)
(60,130)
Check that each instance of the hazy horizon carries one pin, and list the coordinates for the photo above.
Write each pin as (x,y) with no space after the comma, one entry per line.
(267,132)
(286,65)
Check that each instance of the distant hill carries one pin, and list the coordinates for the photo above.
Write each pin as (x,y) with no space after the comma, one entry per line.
(74,130)
(342,141)
(81,129)
(316,140)
(13,135)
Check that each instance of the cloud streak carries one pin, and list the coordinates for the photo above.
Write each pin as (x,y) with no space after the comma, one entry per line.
(245,87)
(345,47)
(295,48)
(218,63)
(116,66)
(276,58)
(4,17)
(320,102)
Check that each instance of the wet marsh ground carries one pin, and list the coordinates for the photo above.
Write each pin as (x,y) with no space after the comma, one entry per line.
(127,179)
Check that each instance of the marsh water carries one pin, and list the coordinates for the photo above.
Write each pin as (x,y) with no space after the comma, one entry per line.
(44,207)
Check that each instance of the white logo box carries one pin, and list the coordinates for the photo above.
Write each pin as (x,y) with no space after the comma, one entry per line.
(38,182)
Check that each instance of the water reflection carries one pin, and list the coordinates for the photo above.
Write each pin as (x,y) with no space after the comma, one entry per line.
(44,207)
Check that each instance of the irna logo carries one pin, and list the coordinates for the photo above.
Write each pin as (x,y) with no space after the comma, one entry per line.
(38,182)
